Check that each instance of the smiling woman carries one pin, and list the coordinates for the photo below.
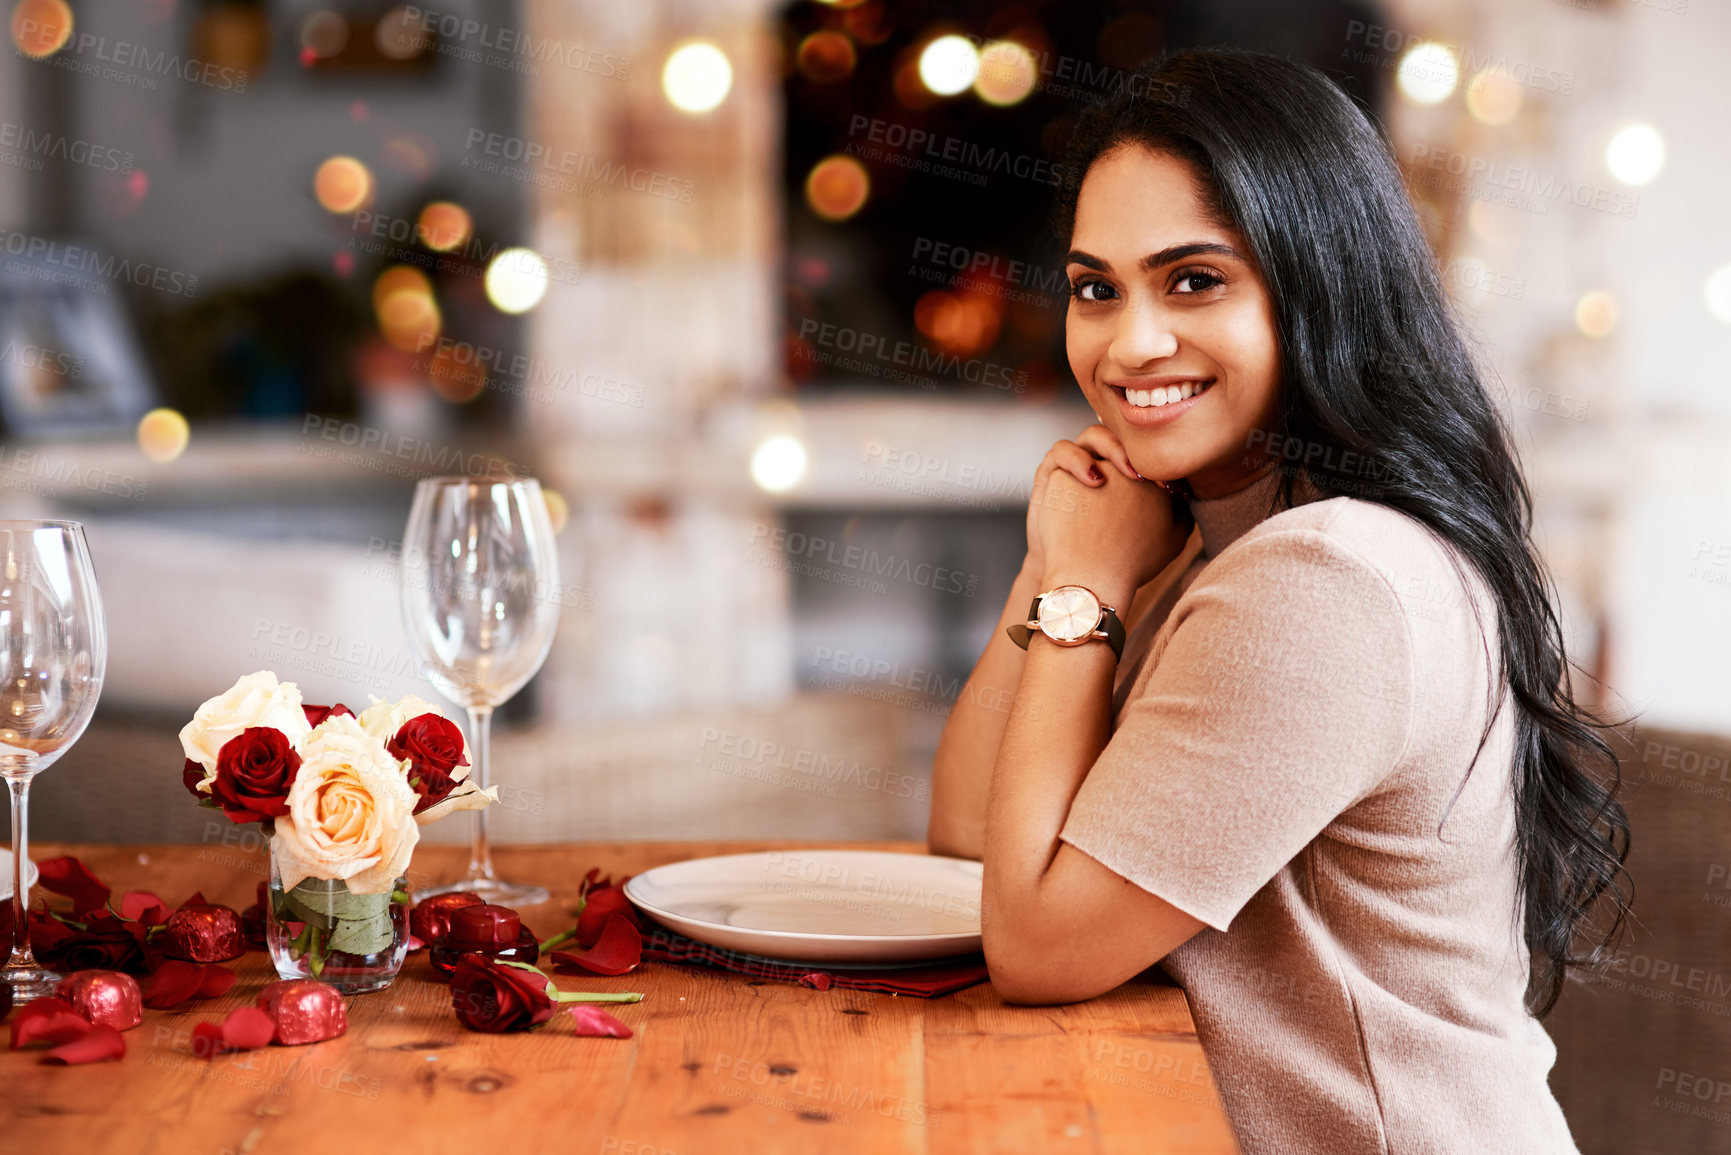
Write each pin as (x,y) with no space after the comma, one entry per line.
(1334,781)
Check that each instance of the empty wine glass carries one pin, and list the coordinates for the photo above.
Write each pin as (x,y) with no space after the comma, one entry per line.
(53,652)
(480,593)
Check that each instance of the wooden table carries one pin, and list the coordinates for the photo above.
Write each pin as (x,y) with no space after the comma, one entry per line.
(718,1062)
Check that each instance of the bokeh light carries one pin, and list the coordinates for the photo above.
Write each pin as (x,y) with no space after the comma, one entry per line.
(456,374)
(1635,154)
(1493,98)
(961,324)
(827,56)
(343,184)
(1596,314)
(41,27)
(403,303)
(837,187)
(1718,293)
(400,279)
(949,65)
(163,435)
(697,77)
(1428,72)
(517,280)
(1007,73)
(444,226)
(778,463)
(558,509)
(399,36)
(324,34)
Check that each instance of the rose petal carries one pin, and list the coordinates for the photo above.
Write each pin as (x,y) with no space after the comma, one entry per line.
(173,983)
(617,951)
(247,1029)
(52,1020)
(468,796)
(215,982)
(206,1040)
(96,1045)
(595,1022)
(598,909)
(143,906)
(70,877)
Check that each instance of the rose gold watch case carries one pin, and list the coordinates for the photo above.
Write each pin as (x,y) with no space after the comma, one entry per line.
(1092,632)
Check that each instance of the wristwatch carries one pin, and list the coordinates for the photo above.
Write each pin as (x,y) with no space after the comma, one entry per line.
(1070,616)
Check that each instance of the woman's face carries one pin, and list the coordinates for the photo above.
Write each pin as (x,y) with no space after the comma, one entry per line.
(1170,332)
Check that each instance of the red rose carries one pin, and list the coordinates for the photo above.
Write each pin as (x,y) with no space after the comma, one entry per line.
(190,776)
(317,714)
(254,771)
(433,746)
(106,943)
(496,997)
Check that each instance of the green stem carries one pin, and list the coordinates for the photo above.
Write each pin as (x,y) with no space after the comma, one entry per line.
(597,997)
(558,940)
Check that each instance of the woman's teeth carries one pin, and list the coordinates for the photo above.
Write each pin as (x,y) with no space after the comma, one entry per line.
(1144,398)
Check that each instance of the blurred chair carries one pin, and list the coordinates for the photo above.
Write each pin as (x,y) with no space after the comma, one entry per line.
(1644,1050)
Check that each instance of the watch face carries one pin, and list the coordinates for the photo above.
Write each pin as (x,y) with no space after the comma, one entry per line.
(1069,614)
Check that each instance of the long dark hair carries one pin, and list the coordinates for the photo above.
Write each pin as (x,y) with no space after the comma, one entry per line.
(1376,367)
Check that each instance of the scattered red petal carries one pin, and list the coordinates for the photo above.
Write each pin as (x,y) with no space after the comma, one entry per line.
(70,877)
(52,1020)
(618,950)
(595,1022)
(143,906)
(216,981)
(817,980)
(96,1045)
(599,910)
(173,983)
(247,1029)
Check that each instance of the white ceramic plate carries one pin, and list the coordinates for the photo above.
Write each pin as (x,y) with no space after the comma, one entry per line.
(30,873)
(830,906)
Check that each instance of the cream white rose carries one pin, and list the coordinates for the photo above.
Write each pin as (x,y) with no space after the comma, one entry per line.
(255,700)
(351,812)
(383,719)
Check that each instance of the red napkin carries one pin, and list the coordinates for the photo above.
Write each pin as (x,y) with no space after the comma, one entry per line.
(921,980)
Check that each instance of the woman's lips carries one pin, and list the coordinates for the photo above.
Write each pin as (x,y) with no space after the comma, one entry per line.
(1150,415)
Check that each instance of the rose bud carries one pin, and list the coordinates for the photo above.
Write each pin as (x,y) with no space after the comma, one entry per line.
(254,771)
(495,998)
(430,921)
(305,1011)
(203,932)
(106,998)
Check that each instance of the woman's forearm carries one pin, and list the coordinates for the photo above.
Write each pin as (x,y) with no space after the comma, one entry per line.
(962,769)
(1062,722)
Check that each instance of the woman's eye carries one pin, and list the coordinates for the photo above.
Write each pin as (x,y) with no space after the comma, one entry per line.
(1208,281)
(1091,291)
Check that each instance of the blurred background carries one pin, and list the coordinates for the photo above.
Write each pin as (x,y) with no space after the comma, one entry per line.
(764,295)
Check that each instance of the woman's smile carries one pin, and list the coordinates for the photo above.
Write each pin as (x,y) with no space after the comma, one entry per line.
(1158,401)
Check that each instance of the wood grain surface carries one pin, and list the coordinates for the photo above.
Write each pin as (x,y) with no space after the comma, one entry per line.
(718,1063)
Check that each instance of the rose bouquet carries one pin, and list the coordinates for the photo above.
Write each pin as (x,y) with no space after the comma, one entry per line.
(342,798)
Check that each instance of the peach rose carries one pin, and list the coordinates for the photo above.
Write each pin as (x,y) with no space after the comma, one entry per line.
(351,812)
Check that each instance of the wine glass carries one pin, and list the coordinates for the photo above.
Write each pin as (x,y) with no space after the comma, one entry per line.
(480,592)
(53,652)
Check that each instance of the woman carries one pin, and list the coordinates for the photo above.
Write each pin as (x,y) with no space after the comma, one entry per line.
(1337,784)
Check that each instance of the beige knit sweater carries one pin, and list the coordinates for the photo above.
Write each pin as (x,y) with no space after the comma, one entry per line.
(1294,725)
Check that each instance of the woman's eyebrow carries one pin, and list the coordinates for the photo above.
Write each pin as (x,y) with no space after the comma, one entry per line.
(1165,256)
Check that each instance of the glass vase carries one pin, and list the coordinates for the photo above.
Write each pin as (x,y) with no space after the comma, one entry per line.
(321,930)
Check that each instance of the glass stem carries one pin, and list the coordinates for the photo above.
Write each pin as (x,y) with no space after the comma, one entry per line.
(20,787)
(480,851)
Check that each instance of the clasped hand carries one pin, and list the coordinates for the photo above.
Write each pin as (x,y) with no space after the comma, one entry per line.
(1094,521)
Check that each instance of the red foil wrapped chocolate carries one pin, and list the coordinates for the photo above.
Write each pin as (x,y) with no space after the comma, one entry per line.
(106,998)
(493,932)
(305,1011)
(430,921)
(203,932)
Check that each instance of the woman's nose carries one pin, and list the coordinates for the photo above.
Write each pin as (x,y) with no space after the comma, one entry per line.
(1143,337)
